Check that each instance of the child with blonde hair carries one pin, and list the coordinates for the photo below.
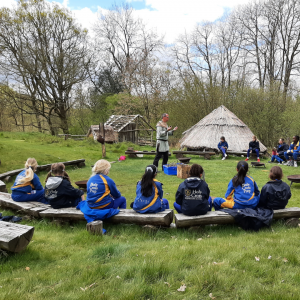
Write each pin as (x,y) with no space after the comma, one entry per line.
(27,186)
(58,190)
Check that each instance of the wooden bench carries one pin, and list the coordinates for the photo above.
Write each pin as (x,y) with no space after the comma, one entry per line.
(206,154)
(3,187)
(219,217)
(134,153)
(79,162)
(126,216)
(15,237)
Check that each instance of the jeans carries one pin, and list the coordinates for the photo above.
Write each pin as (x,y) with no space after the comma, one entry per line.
(253,151)
(223,150)
(279,159)
(294,154)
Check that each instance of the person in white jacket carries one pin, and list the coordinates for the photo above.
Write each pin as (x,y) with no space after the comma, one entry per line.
(162,145)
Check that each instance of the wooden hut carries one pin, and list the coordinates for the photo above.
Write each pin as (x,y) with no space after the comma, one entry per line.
(110,135)
(220,122)
(130,128)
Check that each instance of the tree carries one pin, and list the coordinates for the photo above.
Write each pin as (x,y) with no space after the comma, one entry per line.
(45,51)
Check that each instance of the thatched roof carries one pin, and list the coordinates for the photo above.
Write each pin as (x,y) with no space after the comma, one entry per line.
(220,122)
(110,134)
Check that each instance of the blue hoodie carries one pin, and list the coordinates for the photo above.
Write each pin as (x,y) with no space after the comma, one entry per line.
(151,204)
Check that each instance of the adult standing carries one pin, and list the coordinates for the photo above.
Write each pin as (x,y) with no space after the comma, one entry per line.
(162,145)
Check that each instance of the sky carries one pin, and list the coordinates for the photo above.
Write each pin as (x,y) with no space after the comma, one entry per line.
(169,18)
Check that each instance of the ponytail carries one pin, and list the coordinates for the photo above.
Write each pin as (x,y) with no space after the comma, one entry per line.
(147,180)
(239,179)
(30,166)
(58,169)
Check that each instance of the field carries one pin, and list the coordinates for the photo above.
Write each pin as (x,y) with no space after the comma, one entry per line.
(63,261)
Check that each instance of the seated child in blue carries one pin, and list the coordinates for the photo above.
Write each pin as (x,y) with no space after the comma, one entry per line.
(223,147)
(253,148)
(58,190)
(193,195)
(102,192)
(149,193)
(27,186)
(242,191)
(275,194)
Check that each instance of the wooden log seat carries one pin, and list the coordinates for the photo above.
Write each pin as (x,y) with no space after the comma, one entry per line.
(219,217)
(134,153)
(3,188)
(206,154)
(79,162)
(127,216)
(14,237)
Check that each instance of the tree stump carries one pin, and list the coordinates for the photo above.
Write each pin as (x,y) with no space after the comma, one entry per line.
(95,227)
(207,156)
(3,188)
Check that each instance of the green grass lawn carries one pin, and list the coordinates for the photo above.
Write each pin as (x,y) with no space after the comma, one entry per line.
(128,263)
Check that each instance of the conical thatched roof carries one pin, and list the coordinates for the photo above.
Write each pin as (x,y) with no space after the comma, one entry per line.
(220,122)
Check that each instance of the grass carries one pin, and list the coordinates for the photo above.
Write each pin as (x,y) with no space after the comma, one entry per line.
(129,263)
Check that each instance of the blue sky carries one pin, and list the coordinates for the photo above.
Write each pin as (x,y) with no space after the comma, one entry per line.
(169,18)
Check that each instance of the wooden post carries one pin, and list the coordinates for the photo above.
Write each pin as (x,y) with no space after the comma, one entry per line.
(103,145)
(95,227)
(137,132)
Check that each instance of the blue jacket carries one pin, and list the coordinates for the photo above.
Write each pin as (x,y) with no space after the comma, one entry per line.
(101,190)
(294,147)
(223,144)
(281,148)
(247,194)
(152,204)
(26,187)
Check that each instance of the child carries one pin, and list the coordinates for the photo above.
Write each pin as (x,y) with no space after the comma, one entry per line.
(149,193)
(278,153)
(223,146)
(27,186)
(294,152)
(242,191)
(254,148)
(192,196)
(102,192)
(58,190)
(275,194)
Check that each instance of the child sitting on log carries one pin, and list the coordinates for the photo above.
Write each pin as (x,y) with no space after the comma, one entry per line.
(102,192)
(275,194)
(223,146)
(193,195)
(253,148)
(58,190)
(242,191)
(27,186)
(149,193)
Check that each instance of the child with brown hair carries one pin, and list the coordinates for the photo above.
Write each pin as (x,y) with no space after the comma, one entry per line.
(27,186)
(59,191)
(275,194)
(193,195)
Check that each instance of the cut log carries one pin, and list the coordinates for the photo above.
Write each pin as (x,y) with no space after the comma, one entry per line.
(3,188)
(95,227)
(219,217)
(70,213)
(129,216)
(194,152)
(29,208)
(15,237)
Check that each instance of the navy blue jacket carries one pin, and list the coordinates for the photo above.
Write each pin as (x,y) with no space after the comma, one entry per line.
(223,144)
(60,193)
(192,195)
(274,195)
(281,148)
(254,145)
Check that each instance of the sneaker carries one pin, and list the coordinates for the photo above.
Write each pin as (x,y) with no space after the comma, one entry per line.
(295,164)
(225,155)
(247,159)
(223,158)
(280,163)
(270,162)
(258,160)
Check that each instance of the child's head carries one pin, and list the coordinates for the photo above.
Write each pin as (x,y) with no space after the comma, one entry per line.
(147,180)
(58,169)
(242,169)
(196,171)
(295,138)
(276,173)
(102,166)
(254,138)
(281,141)
(222,138)
(30,166)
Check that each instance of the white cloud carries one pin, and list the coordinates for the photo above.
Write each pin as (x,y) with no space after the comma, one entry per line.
(168,17)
